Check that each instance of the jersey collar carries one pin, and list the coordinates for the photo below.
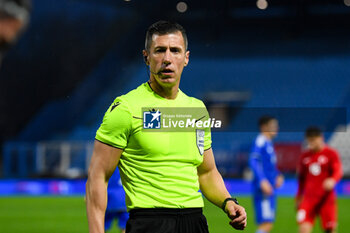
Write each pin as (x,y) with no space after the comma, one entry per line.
(149,88)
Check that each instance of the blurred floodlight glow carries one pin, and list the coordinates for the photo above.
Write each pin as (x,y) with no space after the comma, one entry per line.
(262,4)
(181,7)
(347,2)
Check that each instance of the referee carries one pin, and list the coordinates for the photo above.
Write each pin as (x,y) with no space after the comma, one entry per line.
(161,172)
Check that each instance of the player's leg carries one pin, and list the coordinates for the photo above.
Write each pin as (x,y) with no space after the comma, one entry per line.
(328,214)
(305,227)
(123,217)
(306,215)
(109,216)
(264,227)
(264,213)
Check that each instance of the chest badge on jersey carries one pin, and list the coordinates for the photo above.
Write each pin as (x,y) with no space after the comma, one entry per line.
(306,160)
(315,169)
(322,159)
(200,140)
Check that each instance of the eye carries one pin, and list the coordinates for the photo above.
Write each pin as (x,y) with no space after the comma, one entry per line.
(175,50)
(160,50)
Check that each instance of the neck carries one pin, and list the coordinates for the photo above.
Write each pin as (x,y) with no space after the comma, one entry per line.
(267,135)
(318,149)
(165,92)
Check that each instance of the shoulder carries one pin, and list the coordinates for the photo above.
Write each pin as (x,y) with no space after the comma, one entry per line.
(304,154)
(122,105)
(260,141)
(192,100)
(126,101)
(132,95)
(304,158)
(331,151)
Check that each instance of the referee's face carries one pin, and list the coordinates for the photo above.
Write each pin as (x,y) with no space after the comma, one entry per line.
(167,57)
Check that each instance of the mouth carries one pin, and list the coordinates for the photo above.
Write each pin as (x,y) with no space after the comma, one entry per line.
(166,72)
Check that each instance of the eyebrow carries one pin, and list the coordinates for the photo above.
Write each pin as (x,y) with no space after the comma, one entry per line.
(172,47)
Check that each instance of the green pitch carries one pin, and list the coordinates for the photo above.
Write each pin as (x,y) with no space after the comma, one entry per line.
(67,214)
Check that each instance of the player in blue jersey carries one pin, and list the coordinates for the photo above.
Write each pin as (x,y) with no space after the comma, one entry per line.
(267,178)
(116,208)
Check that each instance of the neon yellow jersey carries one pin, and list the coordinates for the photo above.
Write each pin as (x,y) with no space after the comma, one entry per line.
(158,169)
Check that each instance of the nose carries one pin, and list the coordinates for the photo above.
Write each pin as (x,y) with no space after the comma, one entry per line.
(167,57)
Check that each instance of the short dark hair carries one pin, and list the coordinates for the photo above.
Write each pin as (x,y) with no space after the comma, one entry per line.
(313,131)
(264,120)
(161,28)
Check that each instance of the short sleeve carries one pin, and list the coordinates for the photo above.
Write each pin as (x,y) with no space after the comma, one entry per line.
(207,135)
(337,170)
(116,125)
(207,139)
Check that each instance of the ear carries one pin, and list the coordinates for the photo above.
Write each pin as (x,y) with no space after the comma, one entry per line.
(187,57)
(145,56)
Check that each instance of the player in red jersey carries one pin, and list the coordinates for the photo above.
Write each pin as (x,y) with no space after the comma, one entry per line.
(319,169)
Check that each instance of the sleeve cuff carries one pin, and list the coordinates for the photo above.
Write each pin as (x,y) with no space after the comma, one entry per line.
(122,148)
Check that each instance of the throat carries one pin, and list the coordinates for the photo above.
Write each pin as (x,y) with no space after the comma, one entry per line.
(165,92)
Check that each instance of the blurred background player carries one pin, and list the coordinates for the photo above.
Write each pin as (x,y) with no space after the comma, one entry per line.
(319,169)
(14,16)
(266,176)
(116,208)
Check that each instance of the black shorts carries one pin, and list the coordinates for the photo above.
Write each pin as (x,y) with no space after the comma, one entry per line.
(163,220)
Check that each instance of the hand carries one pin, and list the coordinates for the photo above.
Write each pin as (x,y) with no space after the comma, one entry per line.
(266,187)
(279,181)
(329,184)
(237,215)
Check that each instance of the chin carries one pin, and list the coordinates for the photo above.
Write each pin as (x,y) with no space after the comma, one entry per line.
(168,81)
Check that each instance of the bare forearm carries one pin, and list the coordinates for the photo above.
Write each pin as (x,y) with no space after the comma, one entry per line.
(103,163)
(96,203)
(213,187)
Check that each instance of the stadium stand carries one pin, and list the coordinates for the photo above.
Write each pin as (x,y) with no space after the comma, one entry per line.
(231,147)
(281,71)
(340,140)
